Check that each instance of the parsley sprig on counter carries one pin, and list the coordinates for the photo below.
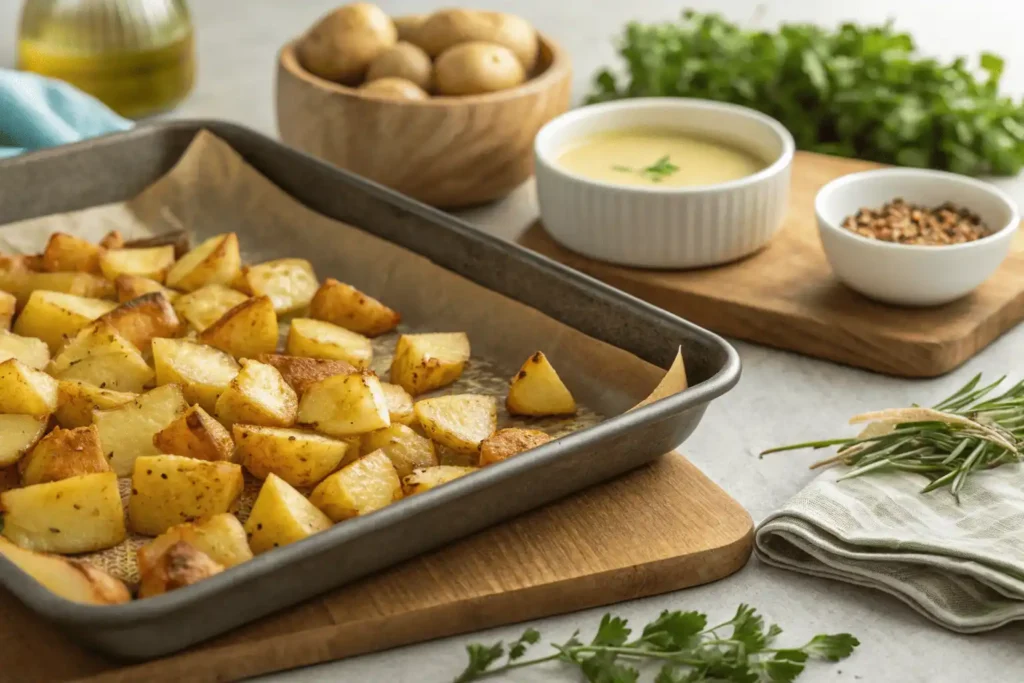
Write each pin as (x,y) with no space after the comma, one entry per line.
(740,650)
(856,91)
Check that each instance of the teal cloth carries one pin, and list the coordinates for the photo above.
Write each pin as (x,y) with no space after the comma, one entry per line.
(37,112)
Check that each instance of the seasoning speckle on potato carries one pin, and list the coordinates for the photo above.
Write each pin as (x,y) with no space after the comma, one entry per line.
(342,44)
(477,68)
(403,60)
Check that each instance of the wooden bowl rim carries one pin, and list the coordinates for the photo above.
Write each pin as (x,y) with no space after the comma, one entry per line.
(556,71)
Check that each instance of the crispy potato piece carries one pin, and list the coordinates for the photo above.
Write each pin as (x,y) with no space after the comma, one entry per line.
(178,239)
(428,478)
(537,390)
(344,305)
(399,403)
(220,536)
(406,449)
(15,272)
(95,339)
(246,331)
(8,305)
(300,372)
(67,252)
(202,371)
(178,566)
(74,515)
(29,350)
(126,432)
(257,395)
(317,339)
(77,400)
(18,434)
(54,316)
(424,362)
(281,515)
(151,262)
(70,579)
(299,457)
(78,284)
(130,287)
(460,422)
(359,488)
(112,240)
(99,355)
(289,283)
(169,489)
(205,306)
(196,435)
(143,319)
(24,391)
(64,453)
(216,261)
(504,443)
(345,405)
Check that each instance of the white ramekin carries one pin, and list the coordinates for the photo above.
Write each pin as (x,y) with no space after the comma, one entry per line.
(913,275)
(670,227)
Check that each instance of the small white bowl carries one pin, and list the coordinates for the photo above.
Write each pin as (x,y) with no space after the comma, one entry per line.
(665,227)
(908,274)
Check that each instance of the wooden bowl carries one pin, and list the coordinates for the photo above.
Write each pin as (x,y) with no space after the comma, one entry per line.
(446,151)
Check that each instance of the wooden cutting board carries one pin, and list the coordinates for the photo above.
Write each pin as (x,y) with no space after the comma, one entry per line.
(660,528)
(786,296)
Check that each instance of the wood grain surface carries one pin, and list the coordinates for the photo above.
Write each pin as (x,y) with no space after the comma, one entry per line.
(660,528)
(786,296)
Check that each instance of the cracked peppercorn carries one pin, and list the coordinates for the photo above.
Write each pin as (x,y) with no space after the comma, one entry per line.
(905,223)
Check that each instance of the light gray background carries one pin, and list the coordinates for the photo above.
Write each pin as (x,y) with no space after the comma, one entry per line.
(782,397)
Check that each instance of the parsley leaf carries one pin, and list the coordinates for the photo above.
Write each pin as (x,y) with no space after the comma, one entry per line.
(833,648)
(674,630)
(480,659)
(612,631)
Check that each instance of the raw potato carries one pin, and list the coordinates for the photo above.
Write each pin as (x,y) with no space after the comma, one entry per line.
(246,331)
(151,262)
(24,391)
(216,261)
(289,282)
(99,355)
(64,453)
(52,316)
(424,362)
(423,480)
(281,515)
(70,579)
(300,372)
(126,432)
(18,434)
(203,372)
(180,565)
(341,45)
(460,422)
(505,443)
(344,305)
(29,350)
(537,390)
(406,61)
(77,400)
(299,457)
(195,435)
(220,536)
(8,305)
(359,488)
(258,395)
(447,28)
(318,339)
(408,24)
(399,404)
(75,515)
(130,287)
(143,319)
(406,449)
(395,88)
(65,252)
(477,68)
(169,489)
(205,306)
(345,405)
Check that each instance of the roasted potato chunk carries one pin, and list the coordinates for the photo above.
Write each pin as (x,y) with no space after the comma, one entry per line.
(257,395)
(406,449)
(358,488)
(205,306)
(203,372)
(67,252)
(317,339)
(281,515)
(289,283)
(130,287)
(18,434)
(143,319)
(75,515)
(195,435)
(8,305)
(301,372)
(178,566)
(29,350)
(344,305)
(77,400)
(169,489)
(15,272)
(54,316)
(151,262)
(428,478)
(460,422)
(424,362)
(70,579)
(246,331)
(345,405)
(399,404)
(126,432)
(505,443)
(64,453)
(537,390)
(178,239)
(78,284)
(220,536)
(112,240)
(24,391)
(299,457)
(216,261)
(99,355)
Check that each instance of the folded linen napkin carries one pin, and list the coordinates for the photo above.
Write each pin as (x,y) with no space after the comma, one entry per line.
(961,566)
(37,112)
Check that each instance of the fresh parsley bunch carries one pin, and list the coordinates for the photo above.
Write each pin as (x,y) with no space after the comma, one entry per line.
(740,650)
(857,91)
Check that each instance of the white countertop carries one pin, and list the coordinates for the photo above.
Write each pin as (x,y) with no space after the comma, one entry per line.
(782,397)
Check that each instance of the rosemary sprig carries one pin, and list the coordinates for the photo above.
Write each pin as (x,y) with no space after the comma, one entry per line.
(967,432)
(656,172)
